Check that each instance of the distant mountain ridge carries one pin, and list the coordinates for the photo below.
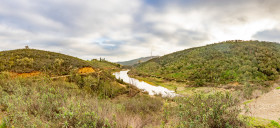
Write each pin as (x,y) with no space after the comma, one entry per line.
(136,61)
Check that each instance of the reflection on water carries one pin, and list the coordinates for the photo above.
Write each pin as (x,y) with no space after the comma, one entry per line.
(152,90)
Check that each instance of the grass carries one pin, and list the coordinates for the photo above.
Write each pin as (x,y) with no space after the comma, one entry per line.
(2,122)
(262,123)
(278,88)
(247,102)
(3,125)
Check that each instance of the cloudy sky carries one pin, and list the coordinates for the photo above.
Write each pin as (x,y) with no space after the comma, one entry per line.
(126,29)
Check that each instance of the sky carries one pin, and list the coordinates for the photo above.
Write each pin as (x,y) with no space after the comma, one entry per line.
(120,30)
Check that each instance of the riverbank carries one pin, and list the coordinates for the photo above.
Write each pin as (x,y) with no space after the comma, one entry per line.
(179,87)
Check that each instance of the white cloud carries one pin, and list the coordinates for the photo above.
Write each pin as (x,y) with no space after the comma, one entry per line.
(131,29)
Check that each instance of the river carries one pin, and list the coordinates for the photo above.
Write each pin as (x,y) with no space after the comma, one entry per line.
(152,90)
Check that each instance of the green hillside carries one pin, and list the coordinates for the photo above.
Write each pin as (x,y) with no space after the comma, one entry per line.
(97,81)
(28,60)
(136,61)
(220,63)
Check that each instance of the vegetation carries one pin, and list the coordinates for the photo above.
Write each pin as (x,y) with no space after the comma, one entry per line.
(262,123)
(100,83)
(213,110)
(29,60)
(43,102)
(86,94)
(136,61)
(33,102)
(103,64)
(221,63)
(143,104)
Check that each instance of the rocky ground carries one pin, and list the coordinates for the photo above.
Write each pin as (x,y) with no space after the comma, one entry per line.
(266,106)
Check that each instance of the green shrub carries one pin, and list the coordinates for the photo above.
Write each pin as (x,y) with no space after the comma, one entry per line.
(208,111)
(275,124)
(102,84)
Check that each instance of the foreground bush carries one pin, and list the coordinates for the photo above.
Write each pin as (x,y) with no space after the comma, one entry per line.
(48,104)
(207,111)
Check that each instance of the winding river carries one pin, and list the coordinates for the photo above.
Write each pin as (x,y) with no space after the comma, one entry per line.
(152,90)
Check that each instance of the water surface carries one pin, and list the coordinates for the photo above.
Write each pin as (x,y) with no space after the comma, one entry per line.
(152,90)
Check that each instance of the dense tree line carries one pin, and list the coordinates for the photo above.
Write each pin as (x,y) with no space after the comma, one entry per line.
(220,63)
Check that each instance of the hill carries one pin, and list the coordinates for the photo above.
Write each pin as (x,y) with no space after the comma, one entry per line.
(103,64)
(30,60)
(93,76)
(220,63)
(136,61)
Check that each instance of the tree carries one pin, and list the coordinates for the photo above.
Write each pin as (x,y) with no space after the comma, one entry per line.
(25,62)
(58,65)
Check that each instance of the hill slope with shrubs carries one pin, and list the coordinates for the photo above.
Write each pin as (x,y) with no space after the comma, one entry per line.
(136,61)
(220,63)
(29,60)
(94,78)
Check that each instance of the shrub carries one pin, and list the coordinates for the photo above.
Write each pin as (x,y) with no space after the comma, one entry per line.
(100,84)
(45,103)
(248,90)
(143,104)
(212,111)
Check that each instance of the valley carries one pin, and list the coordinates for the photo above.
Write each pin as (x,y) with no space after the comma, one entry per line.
(139,64)
(209,86)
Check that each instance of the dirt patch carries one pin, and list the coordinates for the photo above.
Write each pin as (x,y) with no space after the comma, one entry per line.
(266,106)
(31,74)
(86,70)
